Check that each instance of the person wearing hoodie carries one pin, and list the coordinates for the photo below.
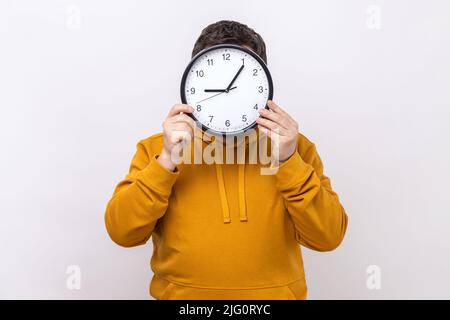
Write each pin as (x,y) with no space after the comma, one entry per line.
(224,230)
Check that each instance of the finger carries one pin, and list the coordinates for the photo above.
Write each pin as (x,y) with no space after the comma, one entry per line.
(277,109)
(180,135)
(274,107)
(183,118)
(280,119)
(178,108)
(183,126)
(264,130)
(269,124)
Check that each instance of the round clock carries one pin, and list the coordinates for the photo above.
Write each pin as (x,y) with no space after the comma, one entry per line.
(226,85)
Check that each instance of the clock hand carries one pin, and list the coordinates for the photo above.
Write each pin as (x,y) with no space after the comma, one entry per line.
(229,86)
(215,90)
(235,77)
(215,95)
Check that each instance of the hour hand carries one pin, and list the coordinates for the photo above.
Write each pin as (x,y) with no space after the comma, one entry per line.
(217,94)
(215,90)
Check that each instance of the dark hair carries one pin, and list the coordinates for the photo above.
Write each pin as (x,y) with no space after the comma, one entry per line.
(233,32)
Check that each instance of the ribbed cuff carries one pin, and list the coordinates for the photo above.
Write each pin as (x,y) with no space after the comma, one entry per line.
(157,177)
(294,171)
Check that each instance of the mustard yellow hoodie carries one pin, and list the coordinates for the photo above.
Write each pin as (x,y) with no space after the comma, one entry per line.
(224,231)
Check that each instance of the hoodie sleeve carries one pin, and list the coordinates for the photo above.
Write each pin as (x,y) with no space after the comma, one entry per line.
(139,200)
(320,220)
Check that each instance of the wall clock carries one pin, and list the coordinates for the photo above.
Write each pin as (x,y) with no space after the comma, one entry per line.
(226,85)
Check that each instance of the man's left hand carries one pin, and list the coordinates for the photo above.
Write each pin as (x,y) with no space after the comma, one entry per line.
(279,125)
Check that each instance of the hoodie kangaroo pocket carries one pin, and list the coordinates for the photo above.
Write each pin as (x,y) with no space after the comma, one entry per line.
(293,291)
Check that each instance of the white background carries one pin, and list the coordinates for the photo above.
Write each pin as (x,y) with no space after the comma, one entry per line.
(75,100)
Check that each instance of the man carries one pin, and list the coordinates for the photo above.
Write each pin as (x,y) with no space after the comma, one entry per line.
(225,231)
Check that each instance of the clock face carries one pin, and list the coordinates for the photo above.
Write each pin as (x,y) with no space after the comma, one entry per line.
(226,85)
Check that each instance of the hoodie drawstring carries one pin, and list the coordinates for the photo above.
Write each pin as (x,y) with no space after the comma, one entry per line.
(223,194)
(241,191)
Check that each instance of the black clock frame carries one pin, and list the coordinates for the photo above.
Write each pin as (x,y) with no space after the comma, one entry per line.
(226,46)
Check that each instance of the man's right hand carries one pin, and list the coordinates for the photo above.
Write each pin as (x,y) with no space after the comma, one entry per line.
(178,128)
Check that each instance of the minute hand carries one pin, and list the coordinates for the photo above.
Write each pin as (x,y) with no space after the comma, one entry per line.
(217,94)
(234,79)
